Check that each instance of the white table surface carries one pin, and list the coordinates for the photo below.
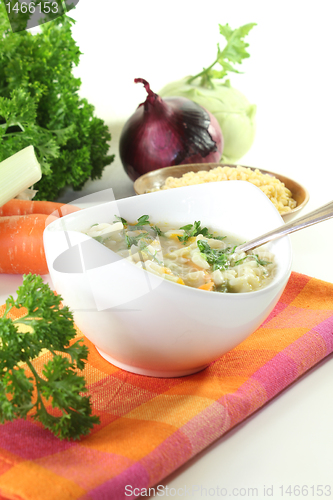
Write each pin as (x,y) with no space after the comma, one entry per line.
(289,442)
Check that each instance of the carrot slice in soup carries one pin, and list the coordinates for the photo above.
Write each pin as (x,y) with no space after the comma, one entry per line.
(207,286)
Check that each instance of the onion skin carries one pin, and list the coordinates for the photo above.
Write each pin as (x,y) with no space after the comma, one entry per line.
(234,113)
(167,132)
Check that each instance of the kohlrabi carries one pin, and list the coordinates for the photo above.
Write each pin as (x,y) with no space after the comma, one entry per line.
(211,89)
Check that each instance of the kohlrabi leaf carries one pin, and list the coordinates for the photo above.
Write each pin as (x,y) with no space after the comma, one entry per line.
(233,53)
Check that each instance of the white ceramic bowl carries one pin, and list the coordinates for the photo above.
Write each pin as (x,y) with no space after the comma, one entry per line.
(148,325)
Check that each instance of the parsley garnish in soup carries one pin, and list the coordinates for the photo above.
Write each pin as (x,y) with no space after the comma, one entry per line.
(189,255)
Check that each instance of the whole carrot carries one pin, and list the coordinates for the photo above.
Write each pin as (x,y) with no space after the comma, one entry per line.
(21,244)
(25,207)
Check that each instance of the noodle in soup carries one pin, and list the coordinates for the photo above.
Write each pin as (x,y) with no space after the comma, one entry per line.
(191,255)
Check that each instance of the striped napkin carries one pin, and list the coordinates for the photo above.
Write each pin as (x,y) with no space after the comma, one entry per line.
(150,426)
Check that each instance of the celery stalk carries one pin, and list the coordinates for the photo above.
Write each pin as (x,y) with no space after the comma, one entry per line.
(17,173)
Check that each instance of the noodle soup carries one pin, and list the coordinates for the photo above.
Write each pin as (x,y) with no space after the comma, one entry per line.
(191,255)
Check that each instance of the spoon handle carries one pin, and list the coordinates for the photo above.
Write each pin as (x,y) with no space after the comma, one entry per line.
(323,213)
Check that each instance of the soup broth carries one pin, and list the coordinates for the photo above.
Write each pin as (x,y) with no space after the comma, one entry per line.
(191,255)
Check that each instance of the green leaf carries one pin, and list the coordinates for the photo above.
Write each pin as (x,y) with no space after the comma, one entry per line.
(158,231)
(195,229)
(51,327)
(261,262)
(120,219)
(233,53)
(135,240)
(218,259)
(142,221)
(40,105)
(235,50)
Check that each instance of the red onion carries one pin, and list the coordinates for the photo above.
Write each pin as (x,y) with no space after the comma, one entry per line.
(168,132)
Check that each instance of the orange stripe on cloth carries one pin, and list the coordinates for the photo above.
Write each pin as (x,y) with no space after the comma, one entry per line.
(17,482)
(149,426)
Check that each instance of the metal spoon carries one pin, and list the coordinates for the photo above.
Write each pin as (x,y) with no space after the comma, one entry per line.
(323,213)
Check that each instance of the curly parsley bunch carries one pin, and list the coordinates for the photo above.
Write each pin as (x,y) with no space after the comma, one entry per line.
(45,326)
(40,106)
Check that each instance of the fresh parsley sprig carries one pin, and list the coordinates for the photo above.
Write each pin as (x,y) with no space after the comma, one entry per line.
(121,219)
(194,230)
(158,231)
(142,221)
(233,53)
(45,325)
(217,258)
(255,257)
(140,224)
(135,240)
(40,105)
(259,261)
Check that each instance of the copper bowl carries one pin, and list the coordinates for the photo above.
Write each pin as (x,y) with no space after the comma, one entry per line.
(155,180)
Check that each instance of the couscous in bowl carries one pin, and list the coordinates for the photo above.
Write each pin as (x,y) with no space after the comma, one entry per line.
(287,195)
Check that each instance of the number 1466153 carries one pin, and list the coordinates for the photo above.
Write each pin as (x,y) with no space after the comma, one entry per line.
(32,7)
(316,491)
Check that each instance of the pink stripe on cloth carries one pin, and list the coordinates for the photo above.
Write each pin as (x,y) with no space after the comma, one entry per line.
(150,427)
(168,456)
(205,428)
(283,369)
(186,442)
(72,462)
(30,441)
(136,477)
(244,401)
(325,330)
(276,374)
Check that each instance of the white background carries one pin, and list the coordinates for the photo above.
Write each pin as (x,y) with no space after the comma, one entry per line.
(289,77)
